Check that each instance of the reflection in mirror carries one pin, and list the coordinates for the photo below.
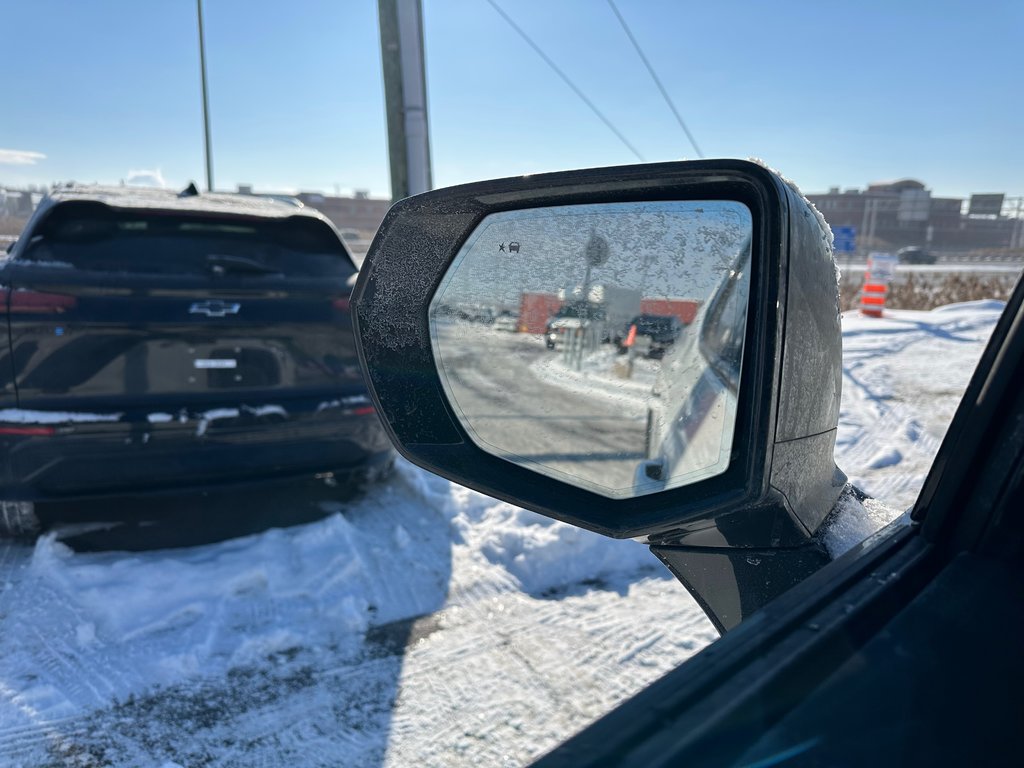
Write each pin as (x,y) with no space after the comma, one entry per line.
(600,344)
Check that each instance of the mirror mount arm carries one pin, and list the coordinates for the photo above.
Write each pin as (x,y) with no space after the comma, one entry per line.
(730,584)
(735,566)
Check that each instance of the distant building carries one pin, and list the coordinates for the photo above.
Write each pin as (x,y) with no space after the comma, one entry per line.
(357,218)
(16,205)
(18,202)
(891,215)
(359,213)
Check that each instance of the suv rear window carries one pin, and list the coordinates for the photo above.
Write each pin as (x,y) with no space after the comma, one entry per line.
(95,237)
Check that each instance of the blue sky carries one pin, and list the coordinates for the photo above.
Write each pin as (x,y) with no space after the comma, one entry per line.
(829,93)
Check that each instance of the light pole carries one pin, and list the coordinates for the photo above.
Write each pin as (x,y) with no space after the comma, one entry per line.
(405,96)
(206,98)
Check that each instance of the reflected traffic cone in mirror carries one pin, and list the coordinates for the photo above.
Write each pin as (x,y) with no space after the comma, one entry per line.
(624,368)
(631,336)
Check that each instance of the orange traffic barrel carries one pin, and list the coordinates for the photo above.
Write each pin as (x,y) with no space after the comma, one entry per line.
(872,297)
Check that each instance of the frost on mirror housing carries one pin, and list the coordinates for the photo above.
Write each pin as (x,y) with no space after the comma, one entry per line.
(600,344)
(446,349)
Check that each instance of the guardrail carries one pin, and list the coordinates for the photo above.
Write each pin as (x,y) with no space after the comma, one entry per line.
(944,269)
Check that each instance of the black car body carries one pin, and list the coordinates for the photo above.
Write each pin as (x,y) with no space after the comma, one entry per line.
(159,341)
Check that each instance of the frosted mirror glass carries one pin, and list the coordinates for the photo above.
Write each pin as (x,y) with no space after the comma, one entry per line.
(600,344)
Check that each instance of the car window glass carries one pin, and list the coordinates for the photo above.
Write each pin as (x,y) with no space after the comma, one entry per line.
(98,239)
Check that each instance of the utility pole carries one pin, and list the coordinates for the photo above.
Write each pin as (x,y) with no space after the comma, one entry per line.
(862,233)
(1017,239)
(206,98)
(874,218)
(405,96)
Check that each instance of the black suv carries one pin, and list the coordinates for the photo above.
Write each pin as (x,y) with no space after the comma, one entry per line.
(160,341)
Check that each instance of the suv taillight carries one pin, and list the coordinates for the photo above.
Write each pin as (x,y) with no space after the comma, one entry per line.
(34,302)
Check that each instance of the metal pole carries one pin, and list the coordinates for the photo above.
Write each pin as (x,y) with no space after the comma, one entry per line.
(864,228)
(405,96)
(1016,239)
(206,98)
(414,89)
(874,218)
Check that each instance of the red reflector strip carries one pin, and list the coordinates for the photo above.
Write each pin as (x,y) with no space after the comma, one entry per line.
(32,301)
(876,300)
(28,431)
(365,410)
(342,305)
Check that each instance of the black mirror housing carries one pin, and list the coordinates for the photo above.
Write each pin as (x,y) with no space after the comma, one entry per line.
(792,373)
(781,481)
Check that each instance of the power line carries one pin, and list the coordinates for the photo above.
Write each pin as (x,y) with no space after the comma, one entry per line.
(657,81)
(565,77)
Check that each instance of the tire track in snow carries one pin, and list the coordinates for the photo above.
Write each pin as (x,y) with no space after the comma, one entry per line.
(575,657)
(882,444)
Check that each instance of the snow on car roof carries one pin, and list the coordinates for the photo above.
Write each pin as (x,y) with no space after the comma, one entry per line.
(175,200)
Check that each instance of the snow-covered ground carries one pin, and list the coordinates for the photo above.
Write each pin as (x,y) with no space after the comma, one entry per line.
(421,624)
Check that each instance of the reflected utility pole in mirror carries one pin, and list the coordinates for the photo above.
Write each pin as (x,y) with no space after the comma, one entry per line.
(595,254)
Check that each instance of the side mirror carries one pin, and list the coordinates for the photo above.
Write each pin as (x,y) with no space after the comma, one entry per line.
(10,246)
(710,439)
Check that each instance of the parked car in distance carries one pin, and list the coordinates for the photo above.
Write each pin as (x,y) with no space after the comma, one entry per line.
(571,318)
(159,341)
(914,254)
(662,331)
(506,321)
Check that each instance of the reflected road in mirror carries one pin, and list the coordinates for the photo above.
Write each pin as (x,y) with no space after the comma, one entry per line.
(533,408)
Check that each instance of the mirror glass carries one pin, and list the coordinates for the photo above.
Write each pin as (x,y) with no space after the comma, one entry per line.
(600,344)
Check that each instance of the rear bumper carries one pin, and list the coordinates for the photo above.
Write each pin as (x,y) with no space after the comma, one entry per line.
(154,453)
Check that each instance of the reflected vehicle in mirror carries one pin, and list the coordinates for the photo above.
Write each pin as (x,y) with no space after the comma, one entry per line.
(695,404)
(586,415)
(571,318)
(654,334)
(600,308)
(506,321)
